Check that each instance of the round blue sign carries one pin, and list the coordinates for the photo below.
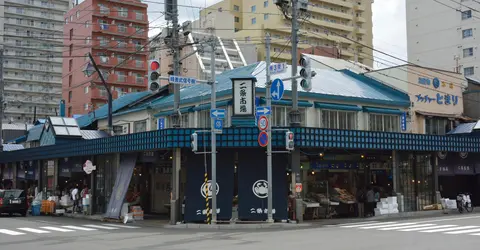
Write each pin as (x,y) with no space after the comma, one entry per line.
(277,89)
(436,83)
(263,139)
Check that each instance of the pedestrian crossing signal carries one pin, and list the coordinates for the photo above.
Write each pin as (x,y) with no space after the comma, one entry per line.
(194,138)
(289,143)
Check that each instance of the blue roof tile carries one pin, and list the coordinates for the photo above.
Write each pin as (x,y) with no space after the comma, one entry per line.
(35,133)
(464,128)
(12,147)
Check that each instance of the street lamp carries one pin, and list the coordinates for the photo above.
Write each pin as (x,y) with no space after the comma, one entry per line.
(91,68)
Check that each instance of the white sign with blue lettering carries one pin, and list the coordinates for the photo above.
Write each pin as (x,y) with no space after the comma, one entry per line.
(403,121)
(161,123)
(182,80)
(263,111)
(217,113)
(277,89)
(276,68)
(217,126)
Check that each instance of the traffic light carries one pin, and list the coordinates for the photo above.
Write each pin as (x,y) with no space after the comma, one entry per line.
(306,73)
(289,143)
(194,138)
(153,75)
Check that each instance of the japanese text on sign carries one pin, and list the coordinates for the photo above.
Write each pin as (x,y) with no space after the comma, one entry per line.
(439,99)
(243,97)
(182,80)
(260,210)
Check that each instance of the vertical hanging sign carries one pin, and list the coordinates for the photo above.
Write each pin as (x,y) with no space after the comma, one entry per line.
(243,96)
(403,121)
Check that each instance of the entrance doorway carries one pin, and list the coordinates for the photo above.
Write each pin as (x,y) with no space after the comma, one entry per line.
(161,179)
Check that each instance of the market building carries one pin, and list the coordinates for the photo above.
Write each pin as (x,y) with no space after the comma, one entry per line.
(353,135)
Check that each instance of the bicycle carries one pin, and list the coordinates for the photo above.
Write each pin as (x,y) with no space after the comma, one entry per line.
(464,203)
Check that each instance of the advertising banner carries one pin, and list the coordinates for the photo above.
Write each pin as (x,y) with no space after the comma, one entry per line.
(253,186)
(195,204)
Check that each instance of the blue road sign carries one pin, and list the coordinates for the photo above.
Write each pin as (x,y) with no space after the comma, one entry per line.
(161,123)
(276,68)
(257,103)
(182,80)
(263,111)
(277,89)
(218,126)
(217,113)
(263,139)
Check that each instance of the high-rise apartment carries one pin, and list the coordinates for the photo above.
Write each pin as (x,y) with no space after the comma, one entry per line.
(32,40)
(444,34)
(342,24)
(116,33)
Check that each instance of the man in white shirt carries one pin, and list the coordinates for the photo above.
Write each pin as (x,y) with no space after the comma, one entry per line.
(75,198)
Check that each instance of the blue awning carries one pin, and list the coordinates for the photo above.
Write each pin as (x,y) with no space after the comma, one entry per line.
(208,105)
(335,106)
(383,111)
(170,112)
(287,103)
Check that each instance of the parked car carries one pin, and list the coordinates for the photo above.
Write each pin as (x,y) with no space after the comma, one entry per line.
(13,201)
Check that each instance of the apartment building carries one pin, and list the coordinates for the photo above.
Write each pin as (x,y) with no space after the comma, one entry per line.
(116,33)
(443,34)
(342,24)
(32,40)
(229,53)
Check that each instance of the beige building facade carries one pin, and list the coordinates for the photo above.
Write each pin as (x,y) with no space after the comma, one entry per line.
(435,95)
(343,24)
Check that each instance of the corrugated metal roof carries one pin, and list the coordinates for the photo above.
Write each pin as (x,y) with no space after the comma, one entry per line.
(35,133)
(16,126)
(464,128)
(12,147)
(117,104)
(93,134)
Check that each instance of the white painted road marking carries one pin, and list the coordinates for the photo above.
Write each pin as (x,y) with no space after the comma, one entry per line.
(101,227)
(448,229)
(369,224)
(426,228)
(465,231)
(356,223)
(10,232)
(405,227)
(80,228)
(120,226)
(383,226)
(33,230)
(58,229)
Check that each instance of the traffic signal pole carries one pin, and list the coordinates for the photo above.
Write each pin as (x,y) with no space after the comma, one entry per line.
(213,104)
(269,131)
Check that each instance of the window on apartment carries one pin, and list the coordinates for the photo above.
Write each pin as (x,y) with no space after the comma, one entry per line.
(385,123)
(436,126)
(121,43)
(70,79)
(70,49)
(468,52)
(204,119)
(122,12)
(139,30)
(265,4)
(103,24)
(467,33)
(139,15)
(122,28)
(237,19)
(265,16)
(338,119)
(71,34)
(140,126)
(70,112)
(254,20)
(77,14)
(466,14)
(88,40)
(120,76)
(87,24)
(280,116)
(104,9)
(236,8)
(139,78)
(254,8)
(70,96)
(70,64)
(86,90)
(85,106)
(469,71)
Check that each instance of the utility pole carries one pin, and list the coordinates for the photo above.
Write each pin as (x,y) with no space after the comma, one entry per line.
(2,100)
(176,63)
(213,104)
(294,114)
(269,131)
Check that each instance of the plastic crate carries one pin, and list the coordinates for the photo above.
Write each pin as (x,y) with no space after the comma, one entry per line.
(36,210)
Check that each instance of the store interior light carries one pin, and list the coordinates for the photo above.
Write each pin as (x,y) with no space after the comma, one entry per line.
(362,156)
(321,154)
(301,166)
(288,173)
(313,172)
(171,157)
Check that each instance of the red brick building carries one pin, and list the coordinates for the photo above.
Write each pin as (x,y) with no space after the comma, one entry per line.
(113,31)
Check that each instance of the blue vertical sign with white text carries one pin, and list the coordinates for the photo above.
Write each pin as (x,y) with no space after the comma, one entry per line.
(403,121)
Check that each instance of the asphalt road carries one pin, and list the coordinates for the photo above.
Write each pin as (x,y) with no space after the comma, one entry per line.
(56,233)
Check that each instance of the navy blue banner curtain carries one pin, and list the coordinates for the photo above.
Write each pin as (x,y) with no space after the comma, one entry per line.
(456,164)
(252,185)
(195,204)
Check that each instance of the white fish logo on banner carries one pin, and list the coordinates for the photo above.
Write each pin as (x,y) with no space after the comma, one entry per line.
(210,190)
(260,189)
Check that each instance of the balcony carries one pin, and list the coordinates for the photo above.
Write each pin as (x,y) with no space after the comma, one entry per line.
(360,30)
(130,2)
(31,12)
(131,16)
(123,80)
(343,3)
(337,26)
(99,94)
(325,11)
(359,7)
(116,30)
(360,19)
(130,64)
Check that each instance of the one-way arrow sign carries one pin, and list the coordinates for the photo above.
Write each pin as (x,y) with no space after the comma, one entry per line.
(263,110)
(217,113)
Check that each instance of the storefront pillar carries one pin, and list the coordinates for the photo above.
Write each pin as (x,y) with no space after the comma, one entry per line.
(296,178)
(14,173)
(395,176)
(435,178)
(175,196)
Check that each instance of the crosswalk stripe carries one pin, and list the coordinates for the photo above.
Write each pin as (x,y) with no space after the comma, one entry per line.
(80,228)
(426,228)
(120,226)
(58,229)
(357,223)
(382,226)
(465,231)
(405,227)
(33,230)
(10,232)
(448,229)
(101,227)
(368,224)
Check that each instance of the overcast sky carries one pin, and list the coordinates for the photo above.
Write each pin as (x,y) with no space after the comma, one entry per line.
(389,28)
